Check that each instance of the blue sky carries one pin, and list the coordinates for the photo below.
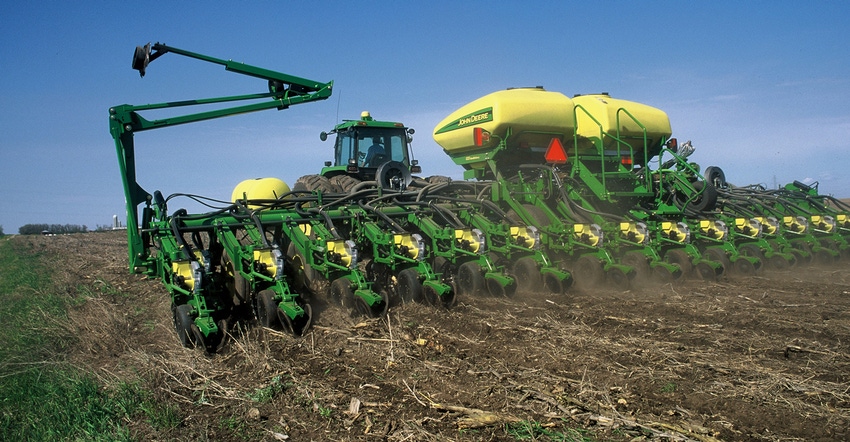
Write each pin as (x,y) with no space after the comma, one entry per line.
(762,88)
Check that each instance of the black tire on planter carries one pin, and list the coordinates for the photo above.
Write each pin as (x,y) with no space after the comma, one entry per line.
(183,325)
(527,275)
(680,258)
(266,309)
(470,279)
(341,293)
(588,272)
(409,286)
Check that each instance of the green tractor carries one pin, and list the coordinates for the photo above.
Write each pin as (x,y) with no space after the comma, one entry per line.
(366,150)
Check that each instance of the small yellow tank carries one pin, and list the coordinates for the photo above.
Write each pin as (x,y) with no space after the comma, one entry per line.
(259,189)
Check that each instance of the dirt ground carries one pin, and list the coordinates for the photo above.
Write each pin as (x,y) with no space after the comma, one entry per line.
(761,358)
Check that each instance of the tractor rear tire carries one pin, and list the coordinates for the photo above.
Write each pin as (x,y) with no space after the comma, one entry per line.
(312,183)
(344,183)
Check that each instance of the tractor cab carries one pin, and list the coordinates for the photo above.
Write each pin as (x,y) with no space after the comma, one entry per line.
(364,146)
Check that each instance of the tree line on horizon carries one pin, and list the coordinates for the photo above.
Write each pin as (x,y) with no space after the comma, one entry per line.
(54,229)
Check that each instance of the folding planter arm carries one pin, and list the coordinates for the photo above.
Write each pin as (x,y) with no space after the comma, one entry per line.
(283,91)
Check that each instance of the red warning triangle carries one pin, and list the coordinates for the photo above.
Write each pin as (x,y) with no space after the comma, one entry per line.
(555,153)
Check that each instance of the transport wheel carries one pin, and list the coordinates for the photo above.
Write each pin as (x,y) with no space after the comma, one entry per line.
(715,177)
(639,263)
(470,279)
(344,183)
(527,275)
(409,286)
(707,201)
(183,324)
(266,309)
(588,272)
(680,258)
(617,279)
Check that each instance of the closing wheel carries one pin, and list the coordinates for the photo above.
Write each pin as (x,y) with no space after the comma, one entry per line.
(557,285)
(448,299)
(470,279)
(680,258)
(409,287)
(362,308)
(497,290)
(639,263)
(183,323)
(265,308)
(300,325)
(617,279)
(527,275)
(588,272)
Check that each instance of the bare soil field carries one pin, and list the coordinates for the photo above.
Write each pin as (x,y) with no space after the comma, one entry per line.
(761,358)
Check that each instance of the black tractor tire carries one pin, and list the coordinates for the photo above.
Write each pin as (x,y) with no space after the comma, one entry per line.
(344,183)
(312,183)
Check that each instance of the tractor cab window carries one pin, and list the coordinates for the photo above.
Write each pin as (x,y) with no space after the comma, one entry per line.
(371,147)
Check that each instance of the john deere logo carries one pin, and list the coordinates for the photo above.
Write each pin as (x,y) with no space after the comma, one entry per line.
(480,116)
(477,118)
